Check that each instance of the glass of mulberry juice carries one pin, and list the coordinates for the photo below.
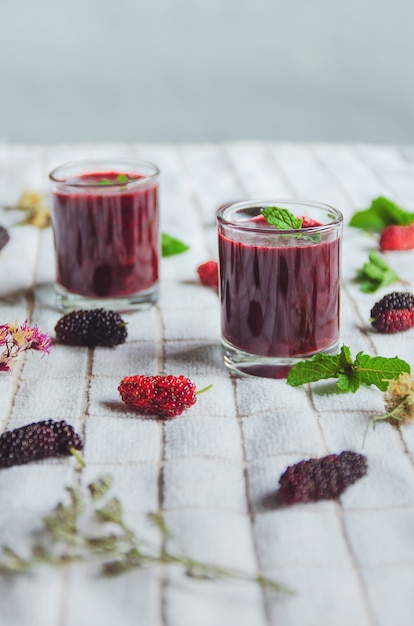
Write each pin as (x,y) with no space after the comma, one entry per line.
(279,283)
(106,232)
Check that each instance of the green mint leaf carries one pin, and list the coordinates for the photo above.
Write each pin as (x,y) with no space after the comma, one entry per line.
(171,246)
(281,218)
(320,366)
(379,370)
(380,214)
(350,381)
(314,237)
(375,274)
(351,374)
(345,358)
(378,260)
(121,178)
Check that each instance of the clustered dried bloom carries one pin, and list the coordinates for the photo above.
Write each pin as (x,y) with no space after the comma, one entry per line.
(399,398)
(34,205)
(15,339)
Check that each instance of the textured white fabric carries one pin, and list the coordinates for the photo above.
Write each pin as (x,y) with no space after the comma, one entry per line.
(214,470)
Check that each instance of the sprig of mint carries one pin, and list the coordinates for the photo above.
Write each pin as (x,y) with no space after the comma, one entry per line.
(89,527)
(283,219)
(121,178)
(351,374)
(375,274)
(380,214)
(171,246)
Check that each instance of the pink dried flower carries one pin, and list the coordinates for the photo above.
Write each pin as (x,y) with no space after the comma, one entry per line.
(16,339)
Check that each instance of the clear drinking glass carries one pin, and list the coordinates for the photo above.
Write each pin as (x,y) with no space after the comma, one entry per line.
(279,289)
(105,222)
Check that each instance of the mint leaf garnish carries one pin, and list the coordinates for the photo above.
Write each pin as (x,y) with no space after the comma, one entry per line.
(380,214)
(379,370)
(171,246)
(320,367)
(281,218)
(351,374)
(285,220)
(121,178)
(375,274)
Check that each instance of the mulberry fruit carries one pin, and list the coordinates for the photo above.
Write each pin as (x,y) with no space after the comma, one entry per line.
(40,440)
(321,479)
(95,327)
(165,396)
(397,238)
(393,313)
(4,237)
(308,222)
(208,274)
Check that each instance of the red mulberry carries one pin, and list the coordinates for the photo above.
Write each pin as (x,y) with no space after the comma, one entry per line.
(165,396)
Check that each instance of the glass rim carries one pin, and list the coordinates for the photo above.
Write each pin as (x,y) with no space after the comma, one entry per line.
(88,165)
(269,228)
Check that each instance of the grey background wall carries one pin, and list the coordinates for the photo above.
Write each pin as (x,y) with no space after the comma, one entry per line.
(165,70)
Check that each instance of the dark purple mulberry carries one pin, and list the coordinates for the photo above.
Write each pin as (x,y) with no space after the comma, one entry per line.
(394,313)
(40,440)
(4,237)
(95,327)
(321,479)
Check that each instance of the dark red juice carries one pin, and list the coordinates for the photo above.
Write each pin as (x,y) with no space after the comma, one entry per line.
(106,235)
(280,301)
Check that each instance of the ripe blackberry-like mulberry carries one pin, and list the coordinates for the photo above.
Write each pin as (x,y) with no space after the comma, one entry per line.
(321,479)
(95,327)
(4,237)
(37,441)
(394,312)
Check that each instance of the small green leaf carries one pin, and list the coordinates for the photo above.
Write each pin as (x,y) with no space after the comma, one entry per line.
(281,218)
(111,512)
(319,367)
(120,179)
(159,521)
(377,260)
(351,374)
(375,274)
(380,214)
(100,488)
(379,370)
(171,246)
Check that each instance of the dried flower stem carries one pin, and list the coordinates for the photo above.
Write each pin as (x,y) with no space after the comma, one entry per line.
(114,547)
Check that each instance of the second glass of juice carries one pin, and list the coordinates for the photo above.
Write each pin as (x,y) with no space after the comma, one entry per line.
(279,289)
(105,221)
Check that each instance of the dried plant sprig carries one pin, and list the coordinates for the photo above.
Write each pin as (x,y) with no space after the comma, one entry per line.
(33,203)
(15,339)
(399,401)
(90,527)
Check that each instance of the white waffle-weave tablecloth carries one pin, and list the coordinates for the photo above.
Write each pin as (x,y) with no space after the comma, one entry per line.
(213,470)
